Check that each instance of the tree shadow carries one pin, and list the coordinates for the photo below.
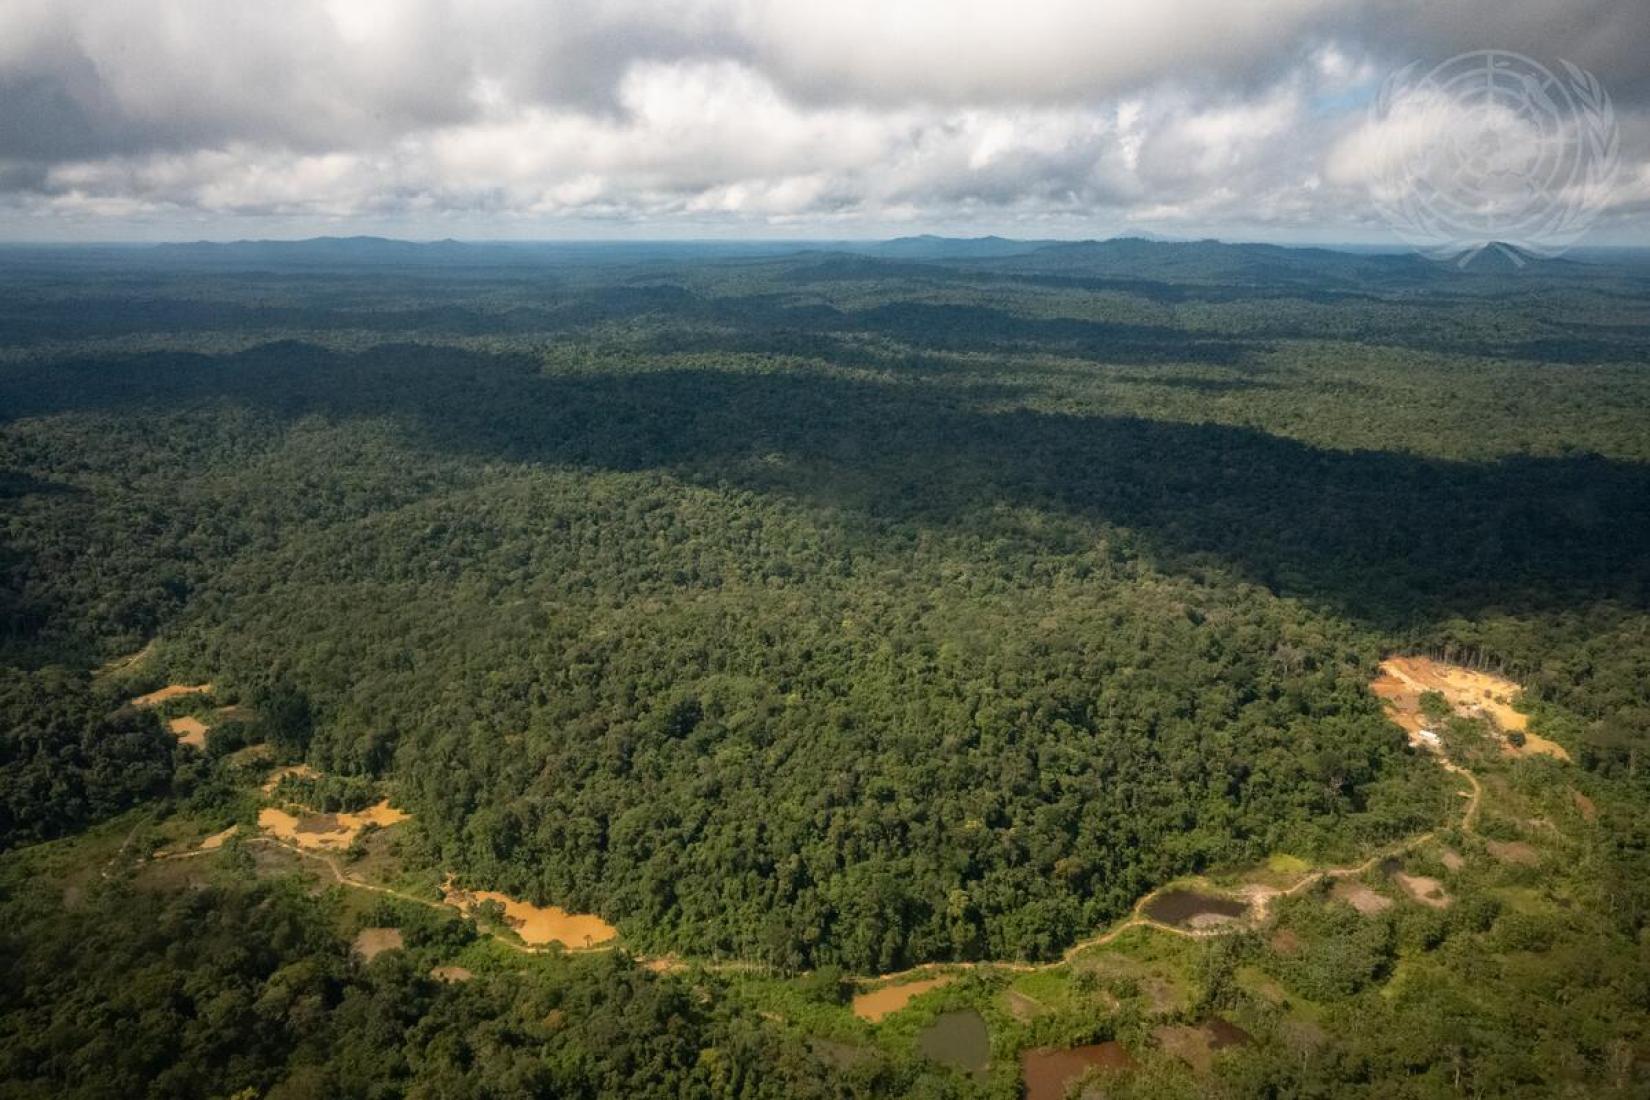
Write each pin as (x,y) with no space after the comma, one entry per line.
(1390,538)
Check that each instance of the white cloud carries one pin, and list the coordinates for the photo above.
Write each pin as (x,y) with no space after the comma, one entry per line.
(735,112)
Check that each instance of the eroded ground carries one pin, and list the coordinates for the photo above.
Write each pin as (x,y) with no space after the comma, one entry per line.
(326,832)
(1469,692)
(537,925)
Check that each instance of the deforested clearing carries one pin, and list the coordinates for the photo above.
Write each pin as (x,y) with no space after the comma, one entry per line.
(876,1004)
(326,831)
(537,925)
(216,840)
(1427,891)
(371,942)
(189,730)
(170,691)
(1469,692)
(1360,897)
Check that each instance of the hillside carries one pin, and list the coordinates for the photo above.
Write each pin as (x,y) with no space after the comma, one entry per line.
(809,615)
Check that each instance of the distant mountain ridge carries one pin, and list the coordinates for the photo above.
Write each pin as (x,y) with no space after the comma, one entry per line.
(1126,257)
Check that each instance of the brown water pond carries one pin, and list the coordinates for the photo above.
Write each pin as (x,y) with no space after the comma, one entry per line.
(875,1004)
(1048,1070)
(1191,909)
(958,1039)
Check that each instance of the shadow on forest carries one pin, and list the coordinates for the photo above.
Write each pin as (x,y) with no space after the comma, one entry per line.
(1387,537)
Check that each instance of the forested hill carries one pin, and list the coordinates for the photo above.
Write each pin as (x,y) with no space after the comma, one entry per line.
(823,606)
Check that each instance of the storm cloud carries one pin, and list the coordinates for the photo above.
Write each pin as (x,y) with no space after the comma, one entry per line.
(702,117)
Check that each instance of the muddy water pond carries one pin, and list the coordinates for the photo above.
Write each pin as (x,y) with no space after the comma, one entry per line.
(958,1039)
(1191,909)
(1048,1071)
(875,1004)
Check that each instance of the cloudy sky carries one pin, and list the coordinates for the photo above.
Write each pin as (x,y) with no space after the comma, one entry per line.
(1251,119)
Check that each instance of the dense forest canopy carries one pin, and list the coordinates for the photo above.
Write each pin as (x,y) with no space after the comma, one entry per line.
(850,609)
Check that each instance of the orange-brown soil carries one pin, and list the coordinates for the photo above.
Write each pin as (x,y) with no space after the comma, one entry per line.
(170,691)
(216,840)
(876,1004)
(189,731)
(1472,694)
(326,831)
(537,925)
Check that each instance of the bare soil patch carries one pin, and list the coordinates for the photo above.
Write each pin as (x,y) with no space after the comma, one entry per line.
(170,691)
(189,731)
(1513,851)
(1451,859)
(1584,806)
(876,1004)
(216,840)
(331,832)
(1285,942)
(1427,891)
(372,942)
(1048,1071)
(451,973)
(1470,693)
(537,925)
(1360,897)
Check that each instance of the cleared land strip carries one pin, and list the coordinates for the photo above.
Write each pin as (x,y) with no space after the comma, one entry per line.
(1137,917)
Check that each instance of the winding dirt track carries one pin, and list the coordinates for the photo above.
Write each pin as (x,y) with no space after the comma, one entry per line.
(1261,899)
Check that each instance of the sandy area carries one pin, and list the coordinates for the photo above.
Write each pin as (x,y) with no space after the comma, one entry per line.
(535,924)
(372,942)
(1451,859)
(876,1004)
(1360,897)
(189,731)
(170,691)
(1472,694)
(326,831)
(451,973)
(216,840)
